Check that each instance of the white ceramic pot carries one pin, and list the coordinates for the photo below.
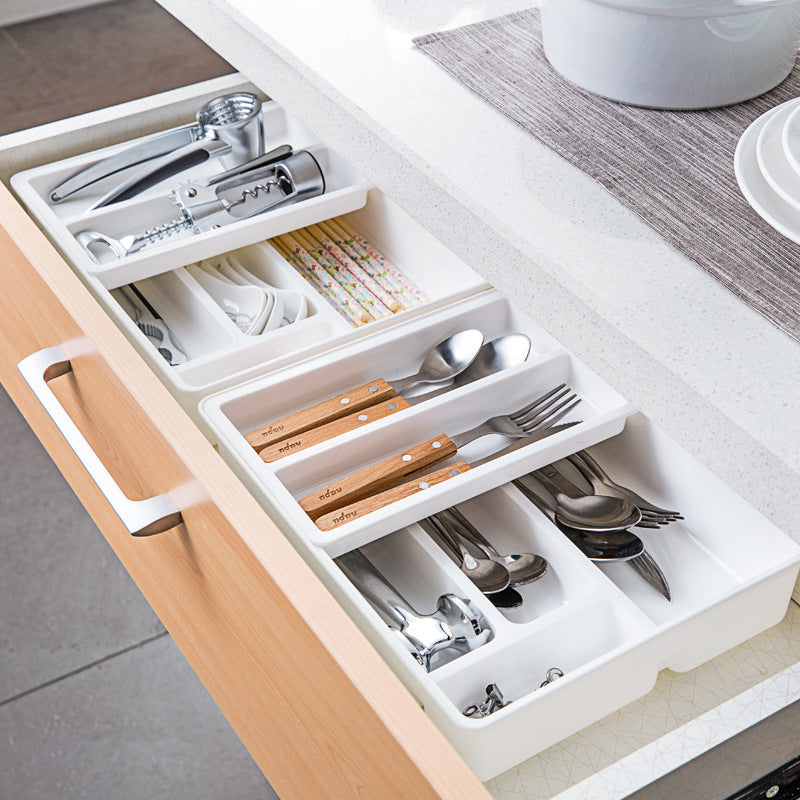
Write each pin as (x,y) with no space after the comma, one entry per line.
(678,54)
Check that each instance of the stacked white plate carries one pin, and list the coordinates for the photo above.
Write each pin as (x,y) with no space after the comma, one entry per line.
(767,164)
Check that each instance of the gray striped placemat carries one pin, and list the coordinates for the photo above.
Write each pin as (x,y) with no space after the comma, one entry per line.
(673,169)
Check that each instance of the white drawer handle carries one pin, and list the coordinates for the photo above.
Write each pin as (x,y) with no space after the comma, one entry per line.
(140,517)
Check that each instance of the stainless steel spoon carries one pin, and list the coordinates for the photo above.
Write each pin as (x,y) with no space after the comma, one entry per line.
(587,512)
(523,568)
(495,356)
(487,575)
(608,545)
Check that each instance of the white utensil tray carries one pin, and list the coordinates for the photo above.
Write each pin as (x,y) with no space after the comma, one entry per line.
(345,190)
(731,572)
(392,355)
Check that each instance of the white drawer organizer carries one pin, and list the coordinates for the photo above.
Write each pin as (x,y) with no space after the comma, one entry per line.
(731,571)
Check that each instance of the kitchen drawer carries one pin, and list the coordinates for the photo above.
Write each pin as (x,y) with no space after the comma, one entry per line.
(254,618)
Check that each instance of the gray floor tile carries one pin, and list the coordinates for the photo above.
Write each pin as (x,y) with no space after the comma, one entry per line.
(65,600)
(77,62)
(137,726)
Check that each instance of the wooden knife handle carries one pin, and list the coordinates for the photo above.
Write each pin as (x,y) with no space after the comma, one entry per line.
(355,511)
(376,477)
(351,422)
(327,411)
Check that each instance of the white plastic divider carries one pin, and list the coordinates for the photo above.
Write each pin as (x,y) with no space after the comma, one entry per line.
(251,405)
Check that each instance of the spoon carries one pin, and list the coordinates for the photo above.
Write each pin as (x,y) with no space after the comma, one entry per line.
(507,599)
(487,575)
(523,568)
(609,545)
(587,512)
(501,353)
(443,362)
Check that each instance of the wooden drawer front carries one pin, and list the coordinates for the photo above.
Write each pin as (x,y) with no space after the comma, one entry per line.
(319,711)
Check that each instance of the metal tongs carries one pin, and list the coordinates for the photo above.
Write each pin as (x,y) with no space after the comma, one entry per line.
(239,193)
(229,127)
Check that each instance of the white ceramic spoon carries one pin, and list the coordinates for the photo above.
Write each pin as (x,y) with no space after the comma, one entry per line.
(247,306)
(295,303)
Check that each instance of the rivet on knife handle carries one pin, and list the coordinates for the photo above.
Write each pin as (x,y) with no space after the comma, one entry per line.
(334,519)
(351,422)
(376,477)
(327,411)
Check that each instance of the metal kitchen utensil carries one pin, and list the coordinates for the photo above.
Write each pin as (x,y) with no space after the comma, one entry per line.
(609,545)
(507,599)
(499,354)
(454,626)
(586,512)
(443,362)
(543,412)
(648,568)
(204,208)
(487,575)
(229,127)
(426,480)
(552,674)
(602,484)
(492,702)
(153,326)
(524,568)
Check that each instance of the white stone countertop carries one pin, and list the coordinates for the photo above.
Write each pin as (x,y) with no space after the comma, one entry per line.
(715,375)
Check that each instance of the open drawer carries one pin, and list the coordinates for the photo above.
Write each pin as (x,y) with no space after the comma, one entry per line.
(266,636)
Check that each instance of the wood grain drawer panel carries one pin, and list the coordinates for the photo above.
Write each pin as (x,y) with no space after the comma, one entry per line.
(320,712)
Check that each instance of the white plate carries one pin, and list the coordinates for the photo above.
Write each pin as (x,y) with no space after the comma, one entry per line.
(790,140)
(772,160)
(767,204)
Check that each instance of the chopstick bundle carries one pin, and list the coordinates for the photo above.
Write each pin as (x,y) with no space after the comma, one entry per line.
(316,275)
(358,280)
(391,302)
(369,254)
(342,275)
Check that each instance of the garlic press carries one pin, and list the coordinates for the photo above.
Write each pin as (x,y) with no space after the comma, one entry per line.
(229,127)
(211,204)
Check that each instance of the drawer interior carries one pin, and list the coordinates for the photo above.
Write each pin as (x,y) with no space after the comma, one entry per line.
(729,570)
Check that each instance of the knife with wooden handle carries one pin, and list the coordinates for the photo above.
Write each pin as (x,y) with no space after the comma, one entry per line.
(343,515)
(334,519)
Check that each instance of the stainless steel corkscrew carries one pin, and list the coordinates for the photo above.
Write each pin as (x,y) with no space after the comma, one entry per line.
(206,205)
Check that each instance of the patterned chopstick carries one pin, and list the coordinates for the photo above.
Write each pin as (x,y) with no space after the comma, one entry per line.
(388,299)
(342,276)
(333,292)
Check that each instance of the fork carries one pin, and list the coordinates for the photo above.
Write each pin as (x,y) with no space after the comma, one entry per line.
(602,484)
(544,411)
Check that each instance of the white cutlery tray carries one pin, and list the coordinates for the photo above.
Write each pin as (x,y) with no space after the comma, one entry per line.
(730,570)
(391,355)
(731,574)
(345,190)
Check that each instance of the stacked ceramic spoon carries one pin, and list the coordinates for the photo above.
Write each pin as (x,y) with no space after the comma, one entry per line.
(767,164)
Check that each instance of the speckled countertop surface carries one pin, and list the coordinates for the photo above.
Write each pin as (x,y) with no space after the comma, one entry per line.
(716,376)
